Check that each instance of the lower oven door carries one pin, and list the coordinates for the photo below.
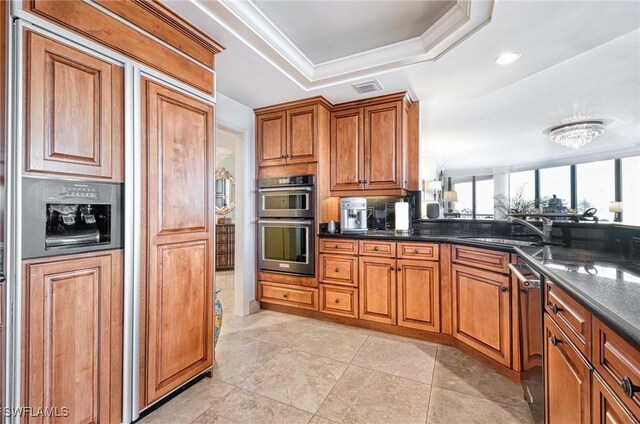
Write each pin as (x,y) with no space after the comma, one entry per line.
(286,245)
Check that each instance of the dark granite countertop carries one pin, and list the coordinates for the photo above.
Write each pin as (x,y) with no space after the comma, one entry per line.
(607,283)
(466,239)
(604,282)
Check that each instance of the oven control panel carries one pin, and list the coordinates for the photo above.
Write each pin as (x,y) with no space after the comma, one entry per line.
(57,191)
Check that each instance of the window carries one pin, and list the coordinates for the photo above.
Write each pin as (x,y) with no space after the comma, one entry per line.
(596,187)
(484,198)
(464,205)
(556,181)
(522,183)
(631,190)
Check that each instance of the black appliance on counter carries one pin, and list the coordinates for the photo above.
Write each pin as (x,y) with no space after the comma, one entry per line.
(61,217)
(286,229)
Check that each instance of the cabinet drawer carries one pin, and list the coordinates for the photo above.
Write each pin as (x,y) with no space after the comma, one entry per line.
(337,269)
(481,258)
(378,248)
(283,294)
(428,251)
(339,300)
(570,316)
(343,246)
(618,363)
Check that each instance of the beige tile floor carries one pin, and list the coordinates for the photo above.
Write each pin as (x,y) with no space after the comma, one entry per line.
(277,368)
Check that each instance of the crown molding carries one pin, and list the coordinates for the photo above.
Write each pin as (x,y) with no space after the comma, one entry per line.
(255,29)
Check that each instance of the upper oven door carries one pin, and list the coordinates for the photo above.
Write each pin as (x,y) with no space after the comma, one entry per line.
(287,245)
(287,202)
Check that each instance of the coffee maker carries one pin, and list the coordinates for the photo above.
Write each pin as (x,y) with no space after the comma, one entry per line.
(353,215)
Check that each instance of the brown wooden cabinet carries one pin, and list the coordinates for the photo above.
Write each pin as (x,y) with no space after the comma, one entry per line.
(606,407)
(482,311)
(418,294)
(370,145)
(567,379)
(291,133)
(347,150)
(377,284)
(74,109)
(72,336)
(178,262)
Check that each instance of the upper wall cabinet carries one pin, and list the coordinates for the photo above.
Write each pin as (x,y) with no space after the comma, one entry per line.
(373,147)
(74,110)
(291,133)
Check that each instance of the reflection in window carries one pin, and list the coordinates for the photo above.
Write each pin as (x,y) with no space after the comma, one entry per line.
(484,198)
(596,187)
(631,190)
(556,181)
(464,205)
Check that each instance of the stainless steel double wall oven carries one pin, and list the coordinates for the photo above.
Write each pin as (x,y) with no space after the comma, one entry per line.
(286,224)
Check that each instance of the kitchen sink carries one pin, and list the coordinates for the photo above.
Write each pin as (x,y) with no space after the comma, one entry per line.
(507,241)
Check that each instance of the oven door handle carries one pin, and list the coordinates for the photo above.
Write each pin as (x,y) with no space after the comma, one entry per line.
(286,221)
(527,283)
(269,190)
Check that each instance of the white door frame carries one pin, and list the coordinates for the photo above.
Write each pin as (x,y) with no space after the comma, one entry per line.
(244,269)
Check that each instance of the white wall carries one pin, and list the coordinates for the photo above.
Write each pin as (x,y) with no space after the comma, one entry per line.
(227,141)
(239,118)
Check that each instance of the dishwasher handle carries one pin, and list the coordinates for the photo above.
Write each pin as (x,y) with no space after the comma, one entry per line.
(525,282)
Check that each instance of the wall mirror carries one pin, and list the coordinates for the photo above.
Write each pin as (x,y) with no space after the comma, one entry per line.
(225,192)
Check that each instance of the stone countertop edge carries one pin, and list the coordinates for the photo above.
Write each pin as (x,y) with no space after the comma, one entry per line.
(625,329)
(419,238)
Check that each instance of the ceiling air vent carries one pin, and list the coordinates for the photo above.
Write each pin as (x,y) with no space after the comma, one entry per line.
(367,86)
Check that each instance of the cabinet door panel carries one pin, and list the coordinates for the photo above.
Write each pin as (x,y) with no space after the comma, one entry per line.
(301,130)
(347,150)
(567,379)
(482,311)
(270,139)
(377,289)
(73,336)
(419,295)
(179,267)
(606,407)
(383,146)
(74,111)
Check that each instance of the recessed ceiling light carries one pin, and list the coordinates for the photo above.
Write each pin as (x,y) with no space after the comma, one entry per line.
(507,58)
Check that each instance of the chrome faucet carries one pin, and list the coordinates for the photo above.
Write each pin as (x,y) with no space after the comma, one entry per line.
(545,233)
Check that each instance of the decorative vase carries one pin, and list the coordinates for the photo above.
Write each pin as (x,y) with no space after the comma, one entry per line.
(217,317)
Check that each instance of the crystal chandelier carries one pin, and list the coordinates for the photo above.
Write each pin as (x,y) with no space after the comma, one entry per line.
(577,134)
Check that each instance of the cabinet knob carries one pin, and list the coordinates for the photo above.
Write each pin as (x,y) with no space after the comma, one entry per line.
(337,270)
(393,268)
(629,388)
(365,181)
(555,340)
(416,251)
(555,309)
(504,289)
(286,295)
(337,246)
(337,300)
(399,268)
(375,248)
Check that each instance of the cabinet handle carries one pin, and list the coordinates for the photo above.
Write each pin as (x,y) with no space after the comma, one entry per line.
(399,268)
(337,246)
(555,340)
(555,309)
(365,181)
(375,248)
(337,270)
(337,300)
(629,388)
(504,289)
(286,295)
(393,268)
(416,251)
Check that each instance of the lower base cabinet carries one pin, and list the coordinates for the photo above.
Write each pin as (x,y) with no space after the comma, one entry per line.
(72,340)
(377,285)
(339,300)
(567,379)
(418,294)
(288,295)
(482,311)
(605,406)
